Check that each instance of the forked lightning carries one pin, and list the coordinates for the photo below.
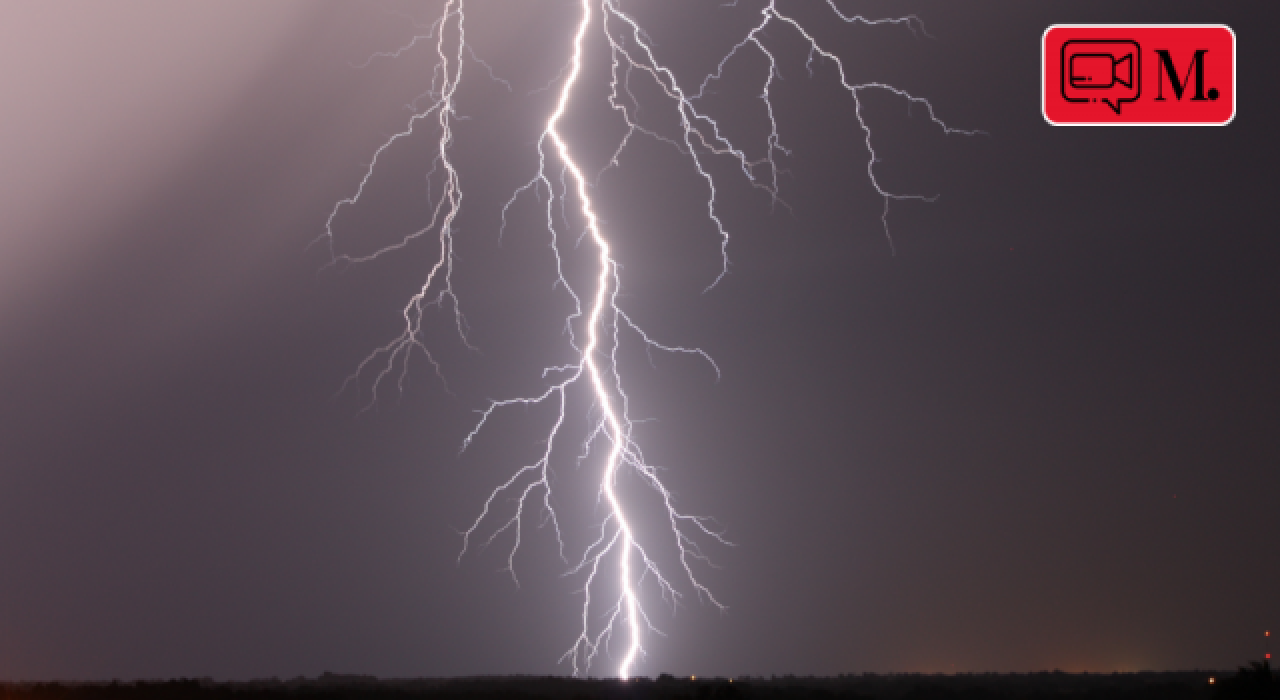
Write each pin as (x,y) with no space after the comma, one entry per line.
(614,566)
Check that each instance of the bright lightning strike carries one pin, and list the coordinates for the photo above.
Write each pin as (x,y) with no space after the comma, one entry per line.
(598,325)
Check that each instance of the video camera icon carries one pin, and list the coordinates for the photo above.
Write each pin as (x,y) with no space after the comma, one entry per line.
(1101,70)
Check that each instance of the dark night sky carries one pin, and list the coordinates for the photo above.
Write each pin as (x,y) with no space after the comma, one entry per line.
(1043,435)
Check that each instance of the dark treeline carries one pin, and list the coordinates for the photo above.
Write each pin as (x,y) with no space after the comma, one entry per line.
(1253,681)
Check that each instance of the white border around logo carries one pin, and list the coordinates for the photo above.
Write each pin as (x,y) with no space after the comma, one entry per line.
(1234,72)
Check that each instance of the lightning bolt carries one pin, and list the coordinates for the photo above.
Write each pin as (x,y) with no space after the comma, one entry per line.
(598,325)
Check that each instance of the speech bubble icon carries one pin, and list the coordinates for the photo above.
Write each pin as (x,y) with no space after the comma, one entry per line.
(1102,70)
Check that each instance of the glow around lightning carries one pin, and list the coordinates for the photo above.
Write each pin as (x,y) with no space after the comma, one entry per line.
(613,568)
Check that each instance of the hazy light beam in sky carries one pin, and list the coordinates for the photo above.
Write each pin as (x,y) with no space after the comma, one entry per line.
(615,565)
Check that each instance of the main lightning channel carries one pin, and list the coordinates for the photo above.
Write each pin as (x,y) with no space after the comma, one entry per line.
(603,400)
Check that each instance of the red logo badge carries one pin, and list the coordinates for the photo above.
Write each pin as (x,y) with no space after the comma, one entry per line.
(1138,74)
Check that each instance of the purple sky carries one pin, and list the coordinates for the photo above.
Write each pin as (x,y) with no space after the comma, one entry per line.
(1043,435)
